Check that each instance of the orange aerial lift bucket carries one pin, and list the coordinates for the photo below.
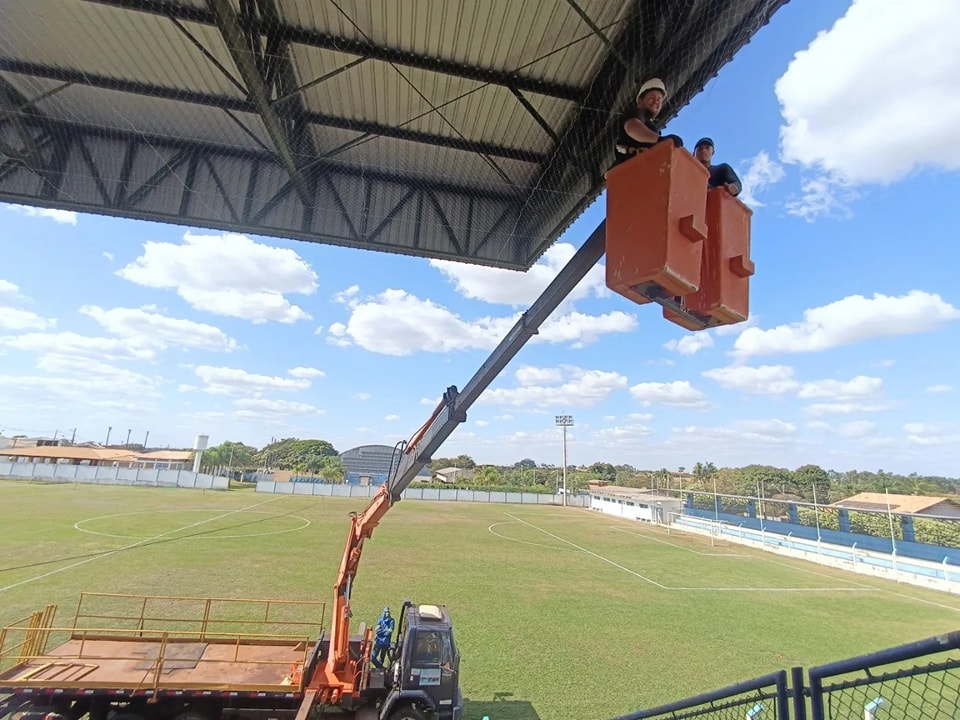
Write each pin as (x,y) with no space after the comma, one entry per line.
(656,224)
(724,293)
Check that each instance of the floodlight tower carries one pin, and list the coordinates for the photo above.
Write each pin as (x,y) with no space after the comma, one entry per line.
(564,421)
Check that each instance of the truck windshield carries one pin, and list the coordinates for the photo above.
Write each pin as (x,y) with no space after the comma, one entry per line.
(433,647)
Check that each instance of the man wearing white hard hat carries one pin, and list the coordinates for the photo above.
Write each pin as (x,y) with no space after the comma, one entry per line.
(637,131)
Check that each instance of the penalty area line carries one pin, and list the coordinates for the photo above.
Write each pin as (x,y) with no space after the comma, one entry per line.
(653,582)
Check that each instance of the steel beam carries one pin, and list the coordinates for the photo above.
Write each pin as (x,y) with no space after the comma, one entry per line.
(226,102)
(243,57)
(312,38)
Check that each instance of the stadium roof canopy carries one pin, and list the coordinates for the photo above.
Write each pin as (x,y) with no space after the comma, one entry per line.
(473,130)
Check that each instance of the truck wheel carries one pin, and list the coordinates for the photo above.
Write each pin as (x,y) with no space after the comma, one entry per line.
(407,712)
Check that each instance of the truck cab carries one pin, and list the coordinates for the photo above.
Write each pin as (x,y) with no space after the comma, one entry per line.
(426,667)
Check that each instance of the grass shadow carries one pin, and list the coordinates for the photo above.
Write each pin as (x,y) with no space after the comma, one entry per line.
(500,708)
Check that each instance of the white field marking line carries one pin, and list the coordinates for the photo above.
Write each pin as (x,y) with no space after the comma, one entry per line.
(78,523)
(681,547)
(618,524)
(688,589)
(133,545)
(490,529)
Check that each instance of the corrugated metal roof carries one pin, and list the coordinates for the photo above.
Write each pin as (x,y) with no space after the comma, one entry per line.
(897,503)
(474,130)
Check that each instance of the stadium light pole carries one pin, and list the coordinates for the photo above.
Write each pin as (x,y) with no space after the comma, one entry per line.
(564,421)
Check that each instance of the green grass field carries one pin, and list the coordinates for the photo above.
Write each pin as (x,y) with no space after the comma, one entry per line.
(559,613)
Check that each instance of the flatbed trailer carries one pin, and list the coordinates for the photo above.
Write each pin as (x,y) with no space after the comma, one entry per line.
(162,657)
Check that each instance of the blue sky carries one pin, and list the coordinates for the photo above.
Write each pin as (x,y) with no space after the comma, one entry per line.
(838,117)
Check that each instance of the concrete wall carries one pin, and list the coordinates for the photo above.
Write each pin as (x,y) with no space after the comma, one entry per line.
(943,575)
(105,475)
(920,551)
(445,494)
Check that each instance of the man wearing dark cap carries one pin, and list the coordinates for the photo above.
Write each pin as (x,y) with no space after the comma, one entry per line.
(637,130)
(721,175)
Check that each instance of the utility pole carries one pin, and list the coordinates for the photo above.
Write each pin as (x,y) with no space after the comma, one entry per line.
(145,438)
(73,436)
(127,443)
(107,443)
(564,421)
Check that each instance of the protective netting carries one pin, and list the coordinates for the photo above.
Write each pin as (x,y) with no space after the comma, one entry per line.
(928,691)
(448,128)
(754,700)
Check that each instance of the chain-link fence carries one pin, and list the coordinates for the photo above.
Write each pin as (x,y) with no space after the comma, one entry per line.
(919,681)
(763,698)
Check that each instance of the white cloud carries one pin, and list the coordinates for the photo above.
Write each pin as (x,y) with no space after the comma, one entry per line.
(504,418)
(640,417)
(108,255)
(306,373)
(70,343)
(678,393)
(691,344)
(363,396)
(850,320)
(859,387)
(348,296)
(528,375)
(845,408)
(227,274)
(63,217)
(749,433)
(432,402)
(9,289)
(760,174)
(481,423)
(624,434)
(510,287)
(146,328)
(857,429)
(822,196)
(940,389)
(769,427)
(579,388)
(881,112)
(391,417)
(763,380)
(255,408)
(929,435)
(15,319)
(234,381)
(398,323)
(70,381)
(819,425)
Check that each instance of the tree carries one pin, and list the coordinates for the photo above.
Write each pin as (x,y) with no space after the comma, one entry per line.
(295,454)
(526,464)
(604,471)
(487,475)
(464,461)
(332,469)
(808,477)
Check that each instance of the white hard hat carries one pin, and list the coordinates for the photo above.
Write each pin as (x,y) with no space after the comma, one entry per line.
(653,84)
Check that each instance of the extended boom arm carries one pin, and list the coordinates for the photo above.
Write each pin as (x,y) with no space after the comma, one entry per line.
(451,411)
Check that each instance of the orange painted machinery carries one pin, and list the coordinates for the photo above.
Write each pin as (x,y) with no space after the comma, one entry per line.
(672,241)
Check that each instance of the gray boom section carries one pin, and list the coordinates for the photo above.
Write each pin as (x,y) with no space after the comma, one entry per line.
(455,404)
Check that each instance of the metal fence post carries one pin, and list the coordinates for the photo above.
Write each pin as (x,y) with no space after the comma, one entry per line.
(799,699)
(783,706)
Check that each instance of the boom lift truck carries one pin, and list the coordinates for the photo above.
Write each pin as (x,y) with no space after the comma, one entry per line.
(669,243)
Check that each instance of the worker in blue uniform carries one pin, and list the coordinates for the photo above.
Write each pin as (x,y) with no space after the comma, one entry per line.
(381,638)
(637,130)
(721,175)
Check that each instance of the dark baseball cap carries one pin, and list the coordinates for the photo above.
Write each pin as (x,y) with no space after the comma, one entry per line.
(704,141)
